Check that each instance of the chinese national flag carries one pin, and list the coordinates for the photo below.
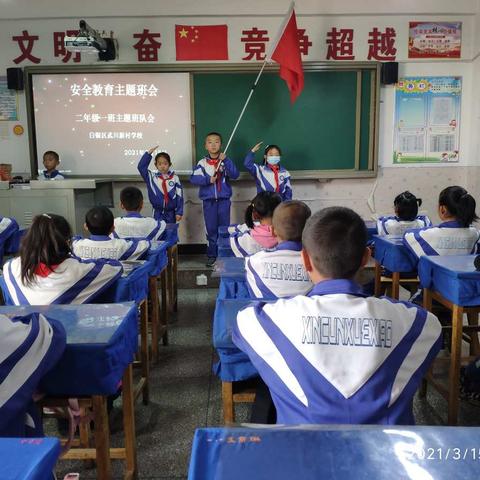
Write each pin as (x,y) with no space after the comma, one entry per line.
(201,42)
(287,54)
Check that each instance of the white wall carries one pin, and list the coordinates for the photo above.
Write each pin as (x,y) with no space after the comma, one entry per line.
(318,16)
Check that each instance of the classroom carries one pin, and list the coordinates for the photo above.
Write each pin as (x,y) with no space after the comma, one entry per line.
(239,239)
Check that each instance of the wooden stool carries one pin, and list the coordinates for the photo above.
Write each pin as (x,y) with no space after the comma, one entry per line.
(102,453)
(232,395)
(394,281)
(158,315)
(451,393)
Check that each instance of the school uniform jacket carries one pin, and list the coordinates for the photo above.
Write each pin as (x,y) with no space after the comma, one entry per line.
(54,175)
(277,272)
(244,245)
(165,192)
(29,347)
(102,246)
(392,225)
(134,225)
(205,170)
(448,238)
(74,281)
(8,226)
(269,178)
(336,356)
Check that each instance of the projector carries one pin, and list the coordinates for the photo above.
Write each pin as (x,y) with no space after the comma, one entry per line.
(82,44)
(89,41)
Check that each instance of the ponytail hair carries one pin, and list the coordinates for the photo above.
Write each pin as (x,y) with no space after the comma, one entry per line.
(406,206)
(460,204)
(47,241)
(263,206)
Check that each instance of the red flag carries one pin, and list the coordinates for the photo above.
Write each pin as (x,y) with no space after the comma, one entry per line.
(287,54)
(201,42)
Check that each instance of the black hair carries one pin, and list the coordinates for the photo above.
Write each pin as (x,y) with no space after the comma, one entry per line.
(131,198)
(99,221)
(335,238)
(263,205)
(289,220)
(47,241)
(53,154)
(214,133)
(164,155)
(459,203)
(271,147)
(406,206)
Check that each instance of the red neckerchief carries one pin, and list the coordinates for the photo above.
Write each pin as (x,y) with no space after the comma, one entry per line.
(275,169)
(44,270)
(214,162)
(164,187)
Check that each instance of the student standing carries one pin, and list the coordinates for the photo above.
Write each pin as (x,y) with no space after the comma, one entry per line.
(213,174)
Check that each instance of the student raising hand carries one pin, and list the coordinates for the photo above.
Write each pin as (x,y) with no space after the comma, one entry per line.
(152,149)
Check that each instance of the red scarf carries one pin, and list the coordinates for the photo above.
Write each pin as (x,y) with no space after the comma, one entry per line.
(44,270)
(214,162)
(164,187)
(275,169)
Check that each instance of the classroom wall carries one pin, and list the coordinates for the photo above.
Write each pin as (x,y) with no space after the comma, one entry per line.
(315,15)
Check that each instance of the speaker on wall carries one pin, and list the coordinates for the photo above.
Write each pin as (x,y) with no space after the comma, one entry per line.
(389,73)
(15,78)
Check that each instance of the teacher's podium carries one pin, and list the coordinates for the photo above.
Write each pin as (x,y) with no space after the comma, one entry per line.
(69,198)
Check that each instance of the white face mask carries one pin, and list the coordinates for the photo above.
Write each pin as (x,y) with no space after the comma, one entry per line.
(273,159)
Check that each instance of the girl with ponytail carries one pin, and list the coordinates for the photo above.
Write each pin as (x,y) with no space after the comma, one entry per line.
(258,218)
(46,272)
(455,235)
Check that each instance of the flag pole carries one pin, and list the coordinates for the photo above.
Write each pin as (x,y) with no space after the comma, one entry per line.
(267,59)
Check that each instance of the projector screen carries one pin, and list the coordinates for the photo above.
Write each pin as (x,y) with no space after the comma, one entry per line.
(101,124)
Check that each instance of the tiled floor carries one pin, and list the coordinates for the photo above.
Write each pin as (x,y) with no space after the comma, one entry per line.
(185,395)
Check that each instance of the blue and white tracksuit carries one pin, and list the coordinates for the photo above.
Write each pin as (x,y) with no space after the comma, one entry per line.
(74,281)
(134,225)
(30,346)
(277,272)
(392,225)
(165,192)
(215,196)
(336,356)
(8,226)
(269,179)
(102,246)
(448,238)
(53,175)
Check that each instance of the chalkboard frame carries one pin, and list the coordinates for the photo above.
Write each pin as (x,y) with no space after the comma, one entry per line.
(193,68)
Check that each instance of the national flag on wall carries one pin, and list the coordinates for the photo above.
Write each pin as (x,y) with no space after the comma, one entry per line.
(287,54)
(201,42)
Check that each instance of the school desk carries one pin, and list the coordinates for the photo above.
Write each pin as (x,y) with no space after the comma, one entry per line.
(158,259)
(371,229)
(223,247)
(453,282)
(233,283)
(343,452)
(28,458)
(171,237)
(101,343)
(393,255)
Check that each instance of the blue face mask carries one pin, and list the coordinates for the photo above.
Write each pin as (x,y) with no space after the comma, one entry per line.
(273,159)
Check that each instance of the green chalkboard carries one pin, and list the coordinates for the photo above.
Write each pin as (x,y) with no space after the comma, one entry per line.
(329,131)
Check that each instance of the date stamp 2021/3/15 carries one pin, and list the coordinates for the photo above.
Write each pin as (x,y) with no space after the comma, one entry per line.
(448,453)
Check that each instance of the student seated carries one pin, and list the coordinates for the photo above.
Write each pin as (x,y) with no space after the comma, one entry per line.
(406,216)
(46,272)
(30,347)
(258,218)
(336,355)
(51,161)
(133,224)
(8,226)
(100,223)
(455,235)
(279,272)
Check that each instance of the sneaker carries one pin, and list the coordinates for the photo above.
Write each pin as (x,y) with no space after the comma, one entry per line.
(210,262)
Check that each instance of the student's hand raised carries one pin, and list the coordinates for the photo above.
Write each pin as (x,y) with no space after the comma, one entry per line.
(152,149)
(256,147)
